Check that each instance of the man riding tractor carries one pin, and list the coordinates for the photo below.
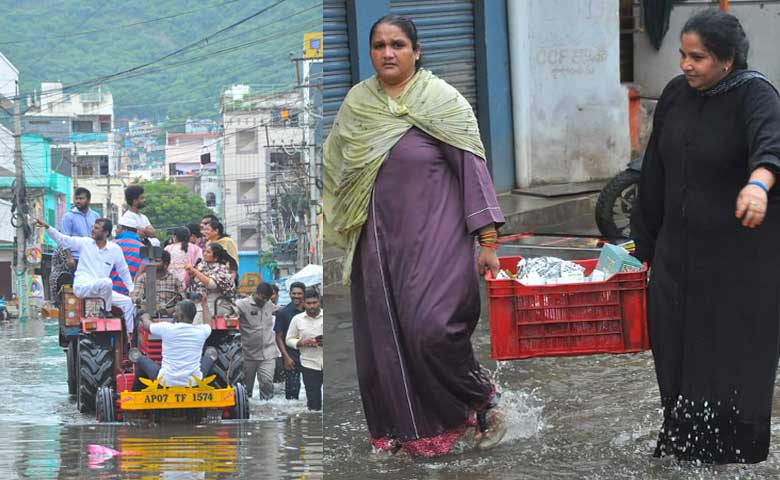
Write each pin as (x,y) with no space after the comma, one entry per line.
(182,345)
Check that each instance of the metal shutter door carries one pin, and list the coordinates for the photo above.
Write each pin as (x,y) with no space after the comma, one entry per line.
(446,32)
(338,77)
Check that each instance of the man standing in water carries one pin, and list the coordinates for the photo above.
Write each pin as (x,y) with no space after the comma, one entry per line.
(290,356)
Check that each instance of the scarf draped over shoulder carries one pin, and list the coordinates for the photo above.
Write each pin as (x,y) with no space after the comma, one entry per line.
(367,126)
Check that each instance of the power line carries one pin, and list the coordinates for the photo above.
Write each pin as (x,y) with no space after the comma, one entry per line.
(176,64)
(200,43)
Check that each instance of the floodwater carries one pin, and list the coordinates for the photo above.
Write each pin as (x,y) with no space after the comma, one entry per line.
(44,436)
(587,417)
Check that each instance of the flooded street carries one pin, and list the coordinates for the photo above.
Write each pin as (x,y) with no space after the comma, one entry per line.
(587,417)
(44,436)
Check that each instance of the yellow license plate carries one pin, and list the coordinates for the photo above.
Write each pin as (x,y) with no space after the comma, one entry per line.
(178,397)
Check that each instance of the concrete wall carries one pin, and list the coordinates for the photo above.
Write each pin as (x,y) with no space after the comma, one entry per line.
(761,20)
(570,109)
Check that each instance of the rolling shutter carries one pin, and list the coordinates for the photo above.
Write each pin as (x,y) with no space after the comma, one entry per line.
(338,74)
(446,32)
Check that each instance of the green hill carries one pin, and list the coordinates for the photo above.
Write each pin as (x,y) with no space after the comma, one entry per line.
(73,41)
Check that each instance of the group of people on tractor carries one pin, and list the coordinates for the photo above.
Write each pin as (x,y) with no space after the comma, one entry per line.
(195,279)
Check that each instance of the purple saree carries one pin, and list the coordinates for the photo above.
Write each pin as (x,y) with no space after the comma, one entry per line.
(415,295)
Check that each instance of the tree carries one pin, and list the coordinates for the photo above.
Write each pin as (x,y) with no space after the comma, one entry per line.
(169,205)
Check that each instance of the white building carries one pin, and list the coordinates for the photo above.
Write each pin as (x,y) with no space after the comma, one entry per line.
(261,153)
(191,159)
(81,126)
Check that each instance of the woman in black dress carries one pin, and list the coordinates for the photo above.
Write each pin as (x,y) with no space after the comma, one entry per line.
(708,221)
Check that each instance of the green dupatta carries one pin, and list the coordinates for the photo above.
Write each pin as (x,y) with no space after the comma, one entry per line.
(368,124)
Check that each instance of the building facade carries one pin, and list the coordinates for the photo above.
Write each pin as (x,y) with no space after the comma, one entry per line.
(48,190)
(80,126)
(261,169)
(192,159)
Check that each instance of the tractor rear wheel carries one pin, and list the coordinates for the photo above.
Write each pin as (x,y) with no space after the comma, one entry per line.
(105,403)
(96,369)
(229,366)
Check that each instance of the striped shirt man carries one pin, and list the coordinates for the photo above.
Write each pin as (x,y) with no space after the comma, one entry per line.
(131,248)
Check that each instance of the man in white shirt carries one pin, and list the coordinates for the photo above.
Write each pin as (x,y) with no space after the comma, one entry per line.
(134,196)
(97,256)
(182,350)
(305,334)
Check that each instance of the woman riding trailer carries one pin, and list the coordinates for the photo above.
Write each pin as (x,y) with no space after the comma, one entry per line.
(211,277)
(406,191)
(709,224)
(182,253)
(214,232)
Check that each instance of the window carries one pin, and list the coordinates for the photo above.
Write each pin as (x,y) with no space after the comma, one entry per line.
(92,165)
(105,127)
(282,161)
(246,141)
(82,126)
(61,160)
(247,191)
(247,238)
(85,170)
(211,199)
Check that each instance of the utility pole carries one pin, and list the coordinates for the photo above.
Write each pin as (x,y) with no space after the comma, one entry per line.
(312,54)
(259,234)
(108,195)
(21,210)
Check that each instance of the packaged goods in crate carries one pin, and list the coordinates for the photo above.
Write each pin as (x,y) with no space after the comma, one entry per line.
(614,259)
(557,319)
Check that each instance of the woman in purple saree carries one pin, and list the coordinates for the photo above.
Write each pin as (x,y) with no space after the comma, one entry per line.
(407,191)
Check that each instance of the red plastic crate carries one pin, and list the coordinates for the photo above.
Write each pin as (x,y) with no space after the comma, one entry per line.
(567,319)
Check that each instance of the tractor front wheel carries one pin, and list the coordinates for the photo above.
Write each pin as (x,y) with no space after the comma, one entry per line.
(105,404)
(240,410)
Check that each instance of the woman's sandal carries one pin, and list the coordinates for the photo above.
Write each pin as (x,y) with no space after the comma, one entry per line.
(491,425)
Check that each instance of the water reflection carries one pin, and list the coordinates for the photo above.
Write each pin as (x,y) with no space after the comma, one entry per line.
(45,437)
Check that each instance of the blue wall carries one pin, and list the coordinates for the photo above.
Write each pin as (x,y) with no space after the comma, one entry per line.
(247,263)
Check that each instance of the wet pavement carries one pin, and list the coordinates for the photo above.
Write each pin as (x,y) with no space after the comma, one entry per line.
(44,436)
(587,417)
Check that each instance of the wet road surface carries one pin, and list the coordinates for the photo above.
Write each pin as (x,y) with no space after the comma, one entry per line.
(44,436)
(587,417)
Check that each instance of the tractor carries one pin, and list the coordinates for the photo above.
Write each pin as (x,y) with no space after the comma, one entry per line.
(96,347)
(223,392)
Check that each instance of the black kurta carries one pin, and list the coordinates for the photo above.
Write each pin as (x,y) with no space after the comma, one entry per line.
(714,293)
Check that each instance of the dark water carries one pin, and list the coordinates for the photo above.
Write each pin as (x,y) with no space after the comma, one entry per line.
(589,417)
(44,436)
